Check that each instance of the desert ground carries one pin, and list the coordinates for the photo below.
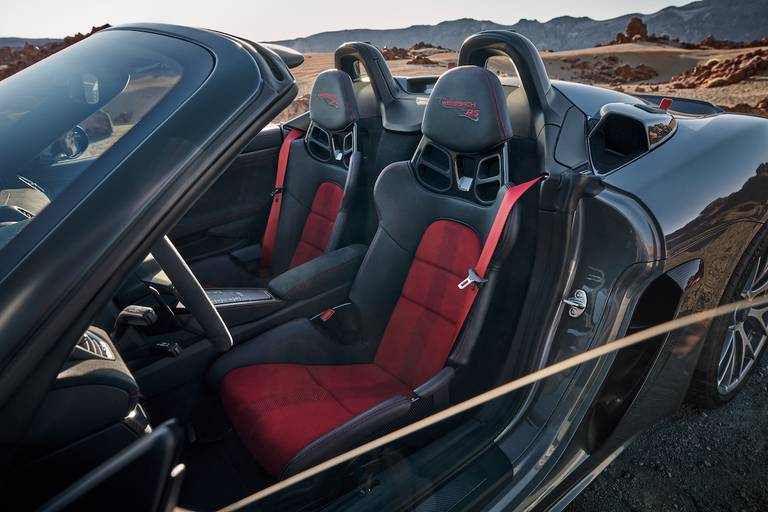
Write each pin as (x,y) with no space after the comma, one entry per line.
(594,66)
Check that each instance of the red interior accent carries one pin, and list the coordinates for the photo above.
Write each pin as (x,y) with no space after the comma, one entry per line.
(511,197)
(278,409)
(665,103)
(419,334)
(319,224)
(268,243)
(327,314)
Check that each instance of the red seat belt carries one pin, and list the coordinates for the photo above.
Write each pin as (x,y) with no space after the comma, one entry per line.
(268,243)
(476,276)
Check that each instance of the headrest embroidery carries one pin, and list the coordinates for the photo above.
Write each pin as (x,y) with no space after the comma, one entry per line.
(462,108)
(330,98)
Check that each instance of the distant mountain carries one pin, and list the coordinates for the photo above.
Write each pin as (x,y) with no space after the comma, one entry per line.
(20,41)
(736,20)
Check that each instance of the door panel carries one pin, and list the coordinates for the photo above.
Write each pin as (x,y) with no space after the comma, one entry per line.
(233,212)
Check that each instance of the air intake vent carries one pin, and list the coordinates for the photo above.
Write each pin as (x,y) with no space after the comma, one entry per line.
(626,132)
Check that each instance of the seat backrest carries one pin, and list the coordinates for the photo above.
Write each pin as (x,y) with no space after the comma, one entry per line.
(321,174)
(433,220)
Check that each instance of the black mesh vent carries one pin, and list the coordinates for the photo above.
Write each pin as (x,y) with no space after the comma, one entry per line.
(331,146)
(433,168)
(319,143)
(488,178)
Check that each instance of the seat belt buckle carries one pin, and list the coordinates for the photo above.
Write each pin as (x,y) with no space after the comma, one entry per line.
(275,191)
(472,279)
(327,314)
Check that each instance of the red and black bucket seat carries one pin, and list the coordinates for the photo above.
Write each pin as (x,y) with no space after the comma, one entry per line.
(320,177)
(303,391)
(310,210)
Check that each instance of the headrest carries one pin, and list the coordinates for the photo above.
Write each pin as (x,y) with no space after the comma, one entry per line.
(332,105)
(467,112)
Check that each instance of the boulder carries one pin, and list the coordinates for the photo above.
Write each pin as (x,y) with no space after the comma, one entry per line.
(423,61)
(636,27)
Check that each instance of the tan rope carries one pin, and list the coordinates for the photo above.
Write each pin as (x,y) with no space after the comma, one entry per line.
(499,391)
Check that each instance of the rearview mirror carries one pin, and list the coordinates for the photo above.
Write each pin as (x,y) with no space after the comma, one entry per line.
(71,145)
(90,88)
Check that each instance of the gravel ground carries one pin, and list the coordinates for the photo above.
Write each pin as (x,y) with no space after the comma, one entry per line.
(698,460)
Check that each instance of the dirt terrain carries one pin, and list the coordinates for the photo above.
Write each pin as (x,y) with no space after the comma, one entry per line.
(696,461)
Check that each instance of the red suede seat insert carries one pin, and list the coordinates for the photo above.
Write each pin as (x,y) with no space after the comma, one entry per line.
(319,224)
(278,409)
(420,332)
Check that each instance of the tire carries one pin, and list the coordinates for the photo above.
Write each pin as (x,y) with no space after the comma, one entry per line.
(713,384)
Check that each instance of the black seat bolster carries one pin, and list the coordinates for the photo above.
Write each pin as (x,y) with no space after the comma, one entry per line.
(350,434)
(437,388)
(383,417)
(299,341)
(477,319)
(325,272)
(342,227)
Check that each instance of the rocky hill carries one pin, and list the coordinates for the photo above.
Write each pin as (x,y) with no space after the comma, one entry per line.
(736,20)
(17,42)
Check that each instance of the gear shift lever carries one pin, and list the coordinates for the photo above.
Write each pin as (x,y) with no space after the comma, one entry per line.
(133,315)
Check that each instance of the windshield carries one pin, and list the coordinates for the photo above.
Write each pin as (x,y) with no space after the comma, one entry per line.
(61,116)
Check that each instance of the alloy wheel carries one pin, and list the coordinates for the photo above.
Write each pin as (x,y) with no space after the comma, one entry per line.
(747,334)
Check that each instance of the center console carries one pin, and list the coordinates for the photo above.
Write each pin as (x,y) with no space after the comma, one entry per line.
(242,305)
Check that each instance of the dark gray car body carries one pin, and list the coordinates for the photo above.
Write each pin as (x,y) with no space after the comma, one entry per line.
(686,210)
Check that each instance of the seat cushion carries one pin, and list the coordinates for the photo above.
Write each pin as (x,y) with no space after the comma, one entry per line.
(278,409)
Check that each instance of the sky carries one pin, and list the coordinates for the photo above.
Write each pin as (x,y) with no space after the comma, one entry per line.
(260,20)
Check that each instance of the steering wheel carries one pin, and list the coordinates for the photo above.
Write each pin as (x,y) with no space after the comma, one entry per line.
(192,294)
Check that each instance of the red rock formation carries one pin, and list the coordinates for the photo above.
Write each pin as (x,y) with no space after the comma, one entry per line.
(710,42)
(716,73)
(296,108)
(16,59)
(636,27)
(395,53)
(421,45)
(636,31)
(760,108)
(422,60)
(607,70)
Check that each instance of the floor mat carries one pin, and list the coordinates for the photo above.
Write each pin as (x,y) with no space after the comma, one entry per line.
(219,473)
